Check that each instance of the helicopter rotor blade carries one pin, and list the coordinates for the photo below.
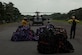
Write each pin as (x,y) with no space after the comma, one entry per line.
(31,12)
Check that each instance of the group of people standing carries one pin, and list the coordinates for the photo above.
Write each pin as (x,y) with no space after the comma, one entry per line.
(73,22)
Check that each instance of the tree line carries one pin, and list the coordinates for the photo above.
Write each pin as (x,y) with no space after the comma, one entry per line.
(75,12)
(8,13)
(65,16)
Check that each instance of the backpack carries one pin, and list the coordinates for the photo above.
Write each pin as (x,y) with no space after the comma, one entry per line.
(53,40)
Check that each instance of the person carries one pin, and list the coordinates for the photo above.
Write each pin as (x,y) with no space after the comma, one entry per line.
(48,20)
(24,25)
(25,22)
(73,22)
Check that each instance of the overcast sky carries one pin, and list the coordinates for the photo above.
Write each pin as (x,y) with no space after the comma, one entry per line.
(62,6)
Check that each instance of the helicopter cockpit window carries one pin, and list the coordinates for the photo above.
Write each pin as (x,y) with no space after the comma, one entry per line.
(37,19)
(40,19)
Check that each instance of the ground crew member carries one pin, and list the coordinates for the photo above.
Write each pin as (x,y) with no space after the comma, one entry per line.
(73,21)
(25,22)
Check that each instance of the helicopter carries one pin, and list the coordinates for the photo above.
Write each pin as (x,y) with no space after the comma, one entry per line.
(38,19)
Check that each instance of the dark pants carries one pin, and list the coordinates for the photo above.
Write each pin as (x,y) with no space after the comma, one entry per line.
(72,32)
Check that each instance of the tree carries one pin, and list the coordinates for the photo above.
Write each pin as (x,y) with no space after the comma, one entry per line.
(59,16)
(76,12)
(8,12)
(16,14)
(11,13)
(1,11)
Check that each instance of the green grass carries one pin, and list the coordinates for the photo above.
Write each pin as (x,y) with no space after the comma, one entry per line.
(61,21)
(64,21)
(81,22)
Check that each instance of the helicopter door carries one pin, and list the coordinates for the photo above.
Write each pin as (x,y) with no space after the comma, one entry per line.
(40,19)
(35,19)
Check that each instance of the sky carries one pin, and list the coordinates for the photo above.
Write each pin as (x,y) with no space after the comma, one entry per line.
(62,6)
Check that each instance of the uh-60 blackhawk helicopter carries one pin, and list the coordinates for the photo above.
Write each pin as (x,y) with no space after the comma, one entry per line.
(38,19)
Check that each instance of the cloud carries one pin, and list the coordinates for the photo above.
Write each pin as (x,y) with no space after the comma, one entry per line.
(46,5)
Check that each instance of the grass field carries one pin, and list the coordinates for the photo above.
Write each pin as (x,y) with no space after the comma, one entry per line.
(64,21)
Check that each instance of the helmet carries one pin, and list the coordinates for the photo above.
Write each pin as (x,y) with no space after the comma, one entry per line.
(24,18)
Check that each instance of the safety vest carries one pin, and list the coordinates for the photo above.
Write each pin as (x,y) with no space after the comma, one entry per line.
(71,20)
(25,23)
